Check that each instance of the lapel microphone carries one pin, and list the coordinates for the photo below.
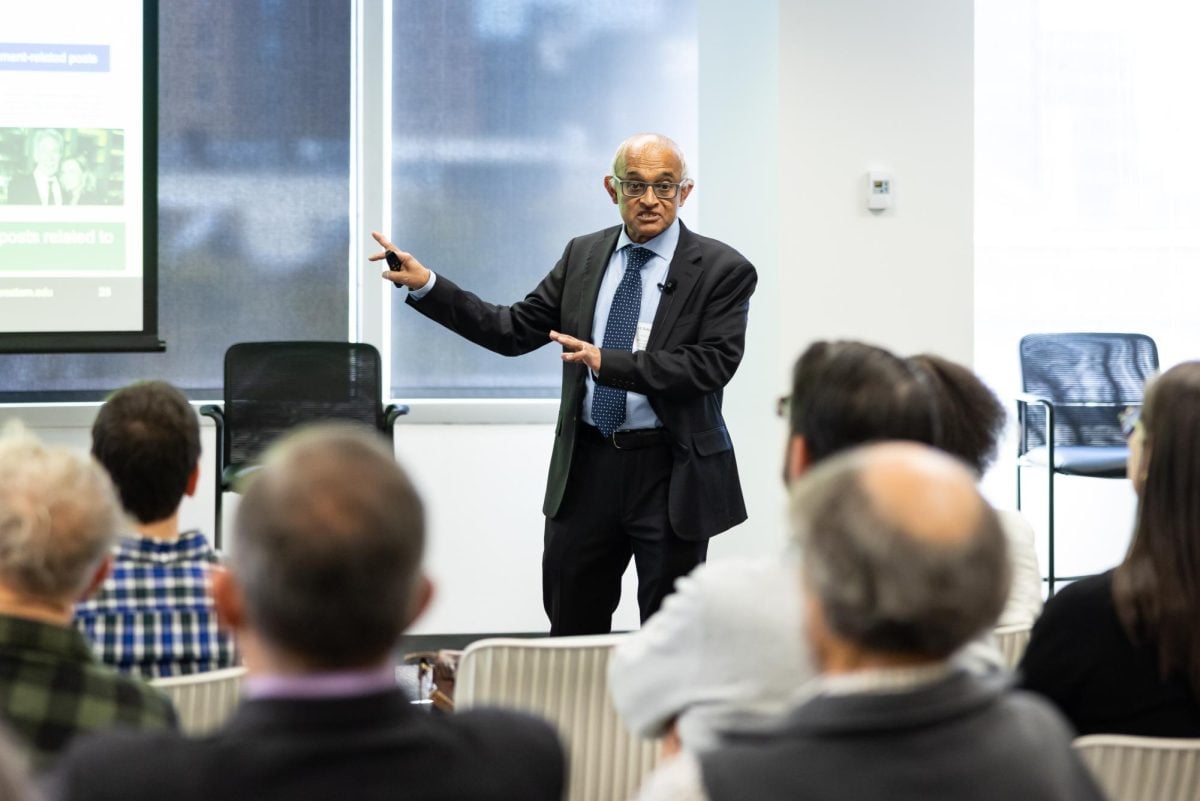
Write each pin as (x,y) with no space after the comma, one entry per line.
(668,287)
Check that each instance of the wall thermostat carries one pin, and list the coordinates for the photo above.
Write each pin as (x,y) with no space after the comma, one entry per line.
(879,190)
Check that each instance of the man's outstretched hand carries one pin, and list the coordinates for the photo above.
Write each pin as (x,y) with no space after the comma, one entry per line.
(576,350)
(404,270)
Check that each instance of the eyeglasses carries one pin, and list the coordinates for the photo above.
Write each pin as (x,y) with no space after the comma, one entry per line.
(1130,419)
(783,406)
(663,190)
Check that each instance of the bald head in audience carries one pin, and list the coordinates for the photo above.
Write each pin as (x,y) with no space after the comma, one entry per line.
(325,570)
(904,561)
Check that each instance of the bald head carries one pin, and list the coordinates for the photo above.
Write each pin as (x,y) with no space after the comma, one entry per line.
(901,553)
(653,143)
(921,493)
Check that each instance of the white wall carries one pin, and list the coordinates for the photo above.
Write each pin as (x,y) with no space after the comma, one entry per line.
(873,84)
(798,100)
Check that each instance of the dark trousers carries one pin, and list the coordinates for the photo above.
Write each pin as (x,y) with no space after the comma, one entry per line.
(615,507)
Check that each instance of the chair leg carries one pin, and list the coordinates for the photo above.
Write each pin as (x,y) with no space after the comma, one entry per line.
(217,539)
(1050,573)
(1018,486)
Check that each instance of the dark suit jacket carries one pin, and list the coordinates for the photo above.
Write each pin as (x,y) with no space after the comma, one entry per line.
(695,345)
(964,737)
(22,191)
(372,747)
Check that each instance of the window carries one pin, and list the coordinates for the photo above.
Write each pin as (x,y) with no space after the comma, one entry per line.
(1087,218)
(254,128)
(1086,215)
(505,117)
(506,114)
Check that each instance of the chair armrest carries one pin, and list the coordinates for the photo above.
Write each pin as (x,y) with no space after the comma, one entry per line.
(392,412)
(1024,398)
(215,412)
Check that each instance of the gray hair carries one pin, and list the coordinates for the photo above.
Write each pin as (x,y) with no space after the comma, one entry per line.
(59,516)
(880,585)
(328,546)
(639,139)
(46,133)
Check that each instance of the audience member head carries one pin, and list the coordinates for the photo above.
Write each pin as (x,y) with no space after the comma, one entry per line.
(325,570)
(59,515)
(970,416)
(147,436)
(904,561)
(1157,587)
(848,393)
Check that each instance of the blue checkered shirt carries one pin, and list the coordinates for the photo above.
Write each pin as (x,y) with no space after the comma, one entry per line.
(154,616)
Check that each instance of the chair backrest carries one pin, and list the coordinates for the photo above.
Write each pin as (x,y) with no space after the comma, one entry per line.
(1108,370)
(1143,768)
(271,387)
(565,681)
(1011,641)
(203,700)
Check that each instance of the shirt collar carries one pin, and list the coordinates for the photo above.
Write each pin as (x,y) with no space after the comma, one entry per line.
(662,245)
(190,544)
(332,684)
(881,680)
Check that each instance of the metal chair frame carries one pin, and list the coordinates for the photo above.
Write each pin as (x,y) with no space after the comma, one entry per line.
(1026,400)
(386,419)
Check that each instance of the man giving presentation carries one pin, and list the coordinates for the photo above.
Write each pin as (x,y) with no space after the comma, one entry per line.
(651,319)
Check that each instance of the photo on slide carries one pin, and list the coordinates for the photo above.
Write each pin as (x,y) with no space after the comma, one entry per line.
(62,166)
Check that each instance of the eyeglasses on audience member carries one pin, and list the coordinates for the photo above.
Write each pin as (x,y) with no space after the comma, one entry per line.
(1130,419)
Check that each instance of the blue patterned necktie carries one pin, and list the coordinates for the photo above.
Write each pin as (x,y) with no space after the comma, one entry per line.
(608,403)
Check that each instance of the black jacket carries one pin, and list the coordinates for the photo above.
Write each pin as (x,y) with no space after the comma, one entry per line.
(695,346)
(371,747)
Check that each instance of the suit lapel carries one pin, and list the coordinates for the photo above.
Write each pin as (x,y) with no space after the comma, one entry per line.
(682,275)
(594,266)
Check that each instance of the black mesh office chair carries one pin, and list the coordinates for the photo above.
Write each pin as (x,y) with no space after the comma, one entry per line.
(1074,389)
(271,387)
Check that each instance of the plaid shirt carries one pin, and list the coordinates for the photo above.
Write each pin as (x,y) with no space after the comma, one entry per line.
(153,615)
(52,688)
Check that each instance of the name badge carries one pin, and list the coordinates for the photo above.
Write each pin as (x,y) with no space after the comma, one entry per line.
(641,336)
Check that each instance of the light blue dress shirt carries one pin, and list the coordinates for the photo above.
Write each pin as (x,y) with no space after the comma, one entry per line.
(638,413)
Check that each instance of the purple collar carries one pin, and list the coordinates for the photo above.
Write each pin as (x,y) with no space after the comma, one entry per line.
(334,684)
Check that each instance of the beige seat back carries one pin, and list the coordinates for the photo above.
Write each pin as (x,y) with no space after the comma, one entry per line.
(1143,768)
(203,700)
(563,680)
(1011,640)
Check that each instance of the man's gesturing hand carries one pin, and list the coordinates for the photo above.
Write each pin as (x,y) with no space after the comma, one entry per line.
(576,350)
(408,273)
